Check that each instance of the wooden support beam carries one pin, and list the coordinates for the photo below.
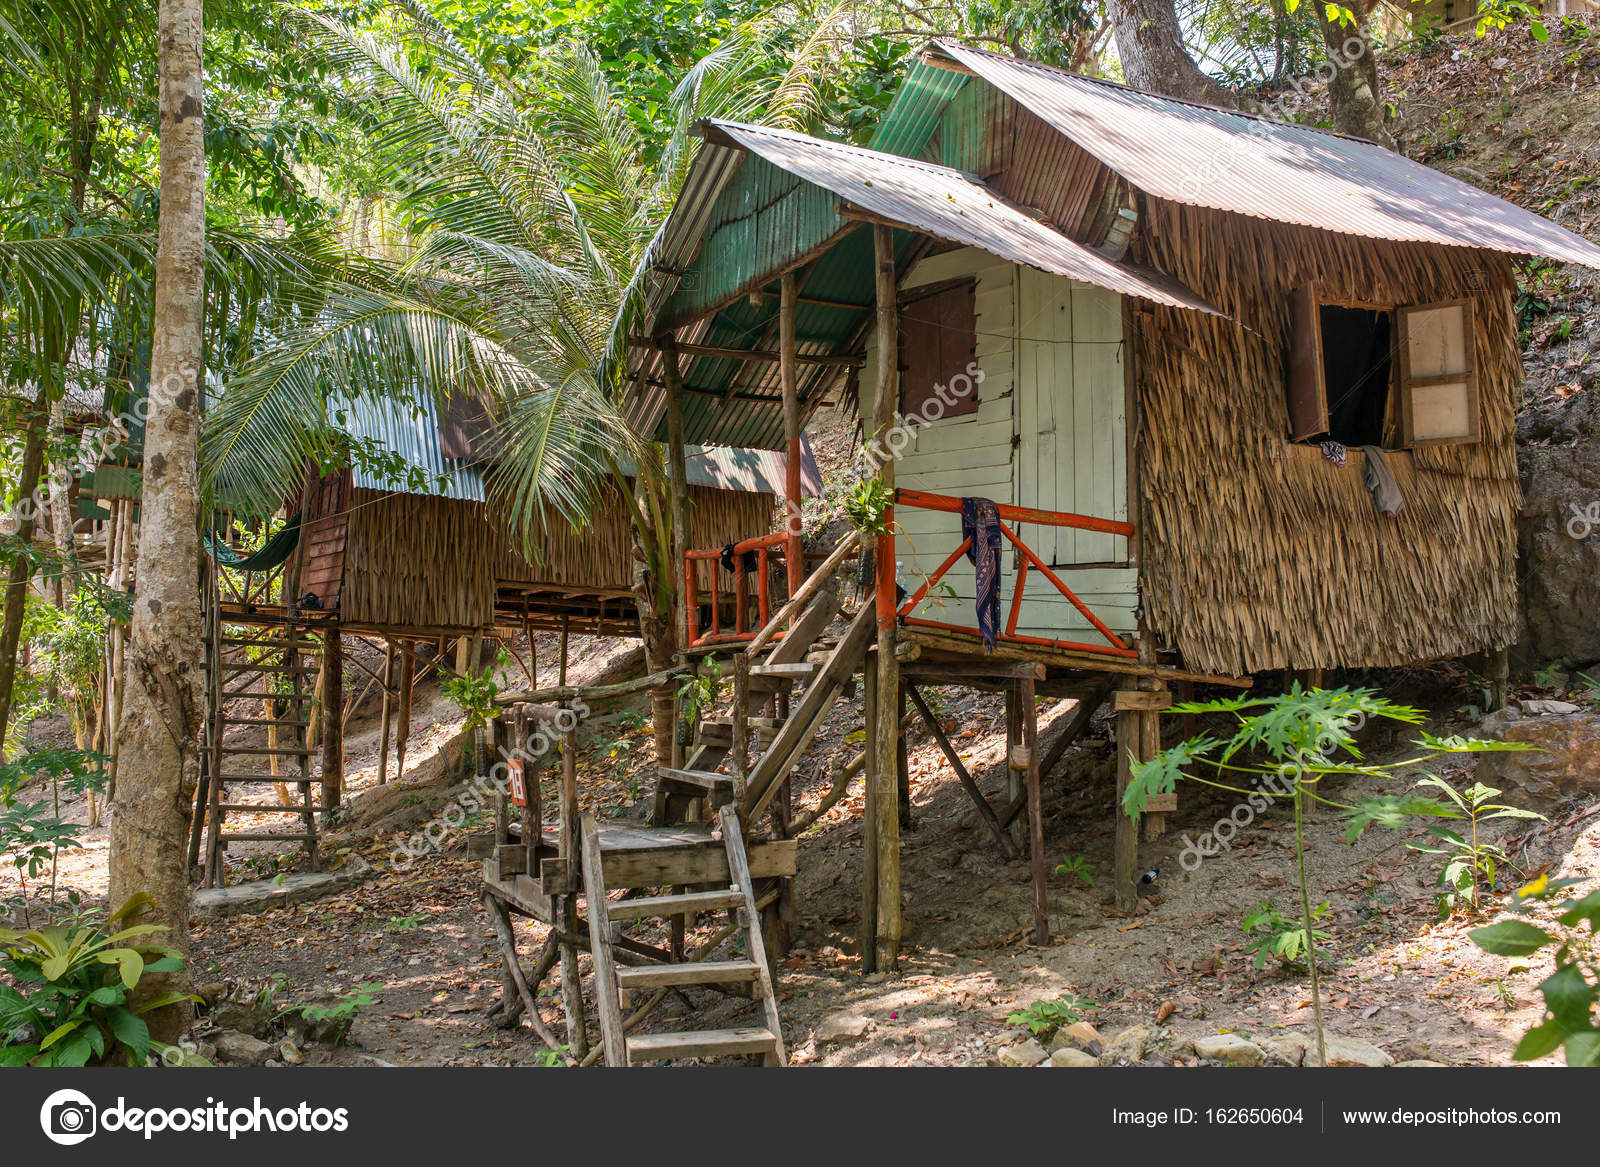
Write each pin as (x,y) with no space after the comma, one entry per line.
(388,712)
(566,634)
(886,733)
(408,675)
(794,555)
(1125,861)
(332,722)
(868,924)
(1074,729)
(1030,736)
(678,474)
(985,811)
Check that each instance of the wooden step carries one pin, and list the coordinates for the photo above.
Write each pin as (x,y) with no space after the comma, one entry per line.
(267,667)
(267,837)
(700,779)
(228,695)
(284,778)
(264,752)
(702,1043)
(298,645)
(278,721)
(269,808)
(792,671)
(678,905)
(700,972)
(720,731)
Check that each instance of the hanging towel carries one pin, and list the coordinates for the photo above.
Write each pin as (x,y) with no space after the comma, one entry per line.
(980,522)
(1379,479)
(1334,452)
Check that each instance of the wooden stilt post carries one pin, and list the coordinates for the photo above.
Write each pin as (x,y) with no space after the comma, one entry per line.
(903,766)
(408,670)
(886,733)
(1126,847)
(1155,821)
(388,712)
(332,722)
(568,846)
(1030,744)
(1016,784)
(794,550)
(678,474)
(1499,678)
(566,631)
(869,825)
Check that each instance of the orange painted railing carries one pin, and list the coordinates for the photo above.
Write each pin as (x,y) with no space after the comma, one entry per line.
(764,546)
(1114,646)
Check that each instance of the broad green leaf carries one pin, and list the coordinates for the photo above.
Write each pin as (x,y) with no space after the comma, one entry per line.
(131,1031)
(58,1033)
(1583,1049)
(1510,938)
(1539,1041)
(1588,908)
(1569,996)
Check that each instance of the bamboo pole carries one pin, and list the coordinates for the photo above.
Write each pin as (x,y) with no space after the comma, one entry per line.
(408,669)
(388,712)
(794,553)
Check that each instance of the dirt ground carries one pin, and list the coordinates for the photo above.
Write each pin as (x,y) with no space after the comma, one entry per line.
(1397,977)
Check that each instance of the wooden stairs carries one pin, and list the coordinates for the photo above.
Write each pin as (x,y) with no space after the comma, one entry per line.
(752,969)
(269,673)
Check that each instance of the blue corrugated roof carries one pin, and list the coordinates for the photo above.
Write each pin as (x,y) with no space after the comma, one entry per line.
(412,432)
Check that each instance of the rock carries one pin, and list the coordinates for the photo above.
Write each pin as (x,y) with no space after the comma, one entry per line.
(1564,762)
(1537,708)
(1130,1045)
(1283,1049)
(1348,1051)
(274,1064)
(1073,1057)
(1024,1053)
(1420,1062)
(1080,1035)
(837,1027)
(1229,1048)
(291,1054)
(242,1049)
(245,1018)
(1558,562)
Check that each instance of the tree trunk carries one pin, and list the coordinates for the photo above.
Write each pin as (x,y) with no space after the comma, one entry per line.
(163,707)
(26,519)
(1150,47)
(1353,86)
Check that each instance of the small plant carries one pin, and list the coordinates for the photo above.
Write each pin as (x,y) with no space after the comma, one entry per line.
(70,1004)
(405,923)
(867,506)
(33,835)
(1044,1018)
(1570,992)
(1076,867)
(1471,865)
(340,1015)
(474,696)
(697,694)
(1272,934)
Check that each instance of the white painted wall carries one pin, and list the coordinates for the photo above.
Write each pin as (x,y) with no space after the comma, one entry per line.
(1049,432)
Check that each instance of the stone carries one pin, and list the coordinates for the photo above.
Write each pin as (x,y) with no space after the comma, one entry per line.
(242,1049)
(839,1027)
(1230,1049)
(1080,1035)
(1128,1046)
(1420,1063)
(1563,763)
(1024,1053)
(1284,1049)
(291,1054)
(1073,1057)
(1349,1051)
(1538,708)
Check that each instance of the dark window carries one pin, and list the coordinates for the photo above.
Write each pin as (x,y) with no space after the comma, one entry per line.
(938,339)
(1340,371)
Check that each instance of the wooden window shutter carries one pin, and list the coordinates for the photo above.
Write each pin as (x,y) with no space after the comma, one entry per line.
(938,339)
(1438,373)
(1308,386)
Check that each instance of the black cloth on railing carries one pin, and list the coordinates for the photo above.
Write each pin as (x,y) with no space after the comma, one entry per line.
(980,522)
(728,557)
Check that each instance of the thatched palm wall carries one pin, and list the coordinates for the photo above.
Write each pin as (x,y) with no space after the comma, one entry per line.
(1256,553)
(413,561)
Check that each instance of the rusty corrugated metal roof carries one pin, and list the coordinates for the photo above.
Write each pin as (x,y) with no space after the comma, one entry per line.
(1207,157)
(950,205)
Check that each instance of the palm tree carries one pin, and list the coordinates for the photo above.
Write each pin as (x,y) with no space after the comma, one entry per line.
(533,215)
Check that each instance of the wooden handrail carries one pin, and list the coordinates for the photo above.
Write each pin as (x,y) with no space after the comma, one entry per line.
(809,588)
(1015,514)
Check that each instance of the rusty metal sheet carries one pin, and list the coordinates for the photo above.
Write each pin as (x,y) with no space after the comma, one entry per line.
(1202,156)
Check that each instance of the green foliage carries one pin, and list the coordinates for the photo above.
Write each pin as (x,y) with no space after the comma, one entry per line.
(1076,867)
(1274,935)
(1570,992)
(68,1006)
(867,506)
(473,695)
(341,1013)
(404,923)
(33,834)
(698,693)
(1043,1018)
(1472,865)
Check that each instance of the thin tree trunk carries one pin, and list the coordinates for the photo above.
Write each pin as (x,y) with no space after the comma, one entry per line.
(21,569)
(1150,47)
(163,707)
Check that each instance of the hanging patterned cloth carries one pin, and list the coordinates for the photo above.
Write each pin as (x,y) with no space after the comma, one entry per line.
(980,522)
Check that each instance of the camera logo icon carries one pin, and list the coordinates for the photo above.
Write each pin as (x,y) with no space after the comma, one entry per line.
(68,1117)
